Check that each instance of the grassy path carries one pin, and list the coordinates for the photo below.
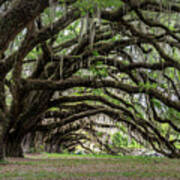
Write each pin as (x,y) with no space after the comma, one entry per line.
(52,167)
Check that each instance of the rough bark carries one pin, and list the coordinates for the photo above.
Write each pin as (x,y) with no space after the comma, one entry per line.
(13,148)
(2,155)
(28,143)
(1,149)
(17,18)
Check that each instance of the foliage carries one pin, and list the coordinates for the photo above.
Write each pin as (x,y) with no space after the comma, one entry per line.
(120,140)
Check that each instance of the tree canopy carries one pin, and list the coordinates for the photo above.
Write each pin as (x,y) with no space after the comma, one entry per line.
(70,59)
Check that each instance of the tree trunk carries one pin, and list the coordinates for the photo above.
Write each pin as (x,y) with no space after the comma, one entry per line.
(28,144)
(1,149)
(2,155)
(13,148)
(58,149)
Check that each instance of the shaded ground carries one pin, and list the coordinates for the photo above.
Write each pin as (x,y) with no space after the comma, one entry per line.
(52,167)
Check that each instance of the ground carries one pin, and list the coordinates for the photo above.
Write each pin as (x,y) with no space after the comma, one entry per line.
(81,167)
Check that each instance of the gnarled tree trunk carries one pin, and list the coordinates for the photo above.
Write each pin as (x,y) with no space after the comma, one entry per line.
(13,147)
(1,149)
(1,143)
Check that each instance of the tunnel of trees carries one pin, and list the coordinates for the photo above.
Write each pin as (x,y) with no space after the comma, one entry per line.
(63,62)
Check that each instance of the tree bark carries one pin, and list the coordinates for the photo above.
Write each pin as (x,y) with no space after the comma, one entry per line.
(1,149)
(2,155)
(13,148)
(19,16)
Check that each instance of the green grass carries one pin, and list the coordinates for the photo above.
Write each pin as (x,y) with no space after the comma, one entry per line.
(53,175)
(70,166)
(56,155)
(41,175)
(3,162)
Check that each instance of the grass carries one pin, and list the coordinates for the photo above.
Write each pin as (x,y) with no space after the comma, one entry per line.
(3,162)
(68,166)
